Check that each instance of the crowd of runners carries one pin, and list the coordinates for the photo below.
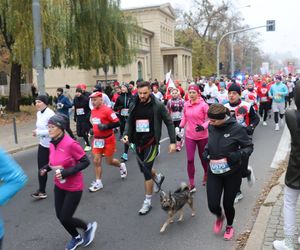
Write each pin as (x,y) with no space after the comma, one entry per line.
(215,116)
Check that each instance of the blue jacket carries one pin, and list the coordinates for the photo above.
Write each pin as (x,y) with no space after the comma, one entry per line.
(278,91)
(12,179)
(66,105)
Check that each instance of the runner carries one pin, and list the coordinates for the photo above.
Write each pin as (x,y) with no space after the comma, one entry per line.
(195,120)
(68,159)
(228,142)
(82,117)
(104,120)
(43,115)
(246,116)
(290,85)
(249,95)
(277,93)
(175,107)
(292,180)
(143,127)
(264,102)
(122,105)
(156,93)
(210,91)
(12,179)
(222,95)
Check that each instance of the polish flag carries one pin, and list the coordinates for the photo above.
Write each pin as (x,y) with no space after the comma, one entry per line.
(169,81)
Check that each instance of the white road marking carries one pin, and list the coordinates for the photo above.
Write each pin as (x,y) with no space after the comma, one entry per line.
(164,139)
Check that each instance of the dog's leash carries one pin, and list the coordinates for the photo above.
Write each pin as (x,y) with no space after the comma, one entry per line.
(133,149)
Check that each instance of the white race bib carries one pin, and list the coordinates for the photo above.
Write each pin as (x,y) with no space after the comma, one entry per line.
(96,121)
(99,143)
(142,126)
(176,115)
(264,99)
(124,112)
(219,166)
(80,111)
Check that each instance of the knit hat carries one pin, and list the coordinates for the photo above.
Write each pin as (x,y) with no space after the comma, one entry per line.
(235,87)
(194,87)
(43,98)
(125,85)
(59,121)
(98,87)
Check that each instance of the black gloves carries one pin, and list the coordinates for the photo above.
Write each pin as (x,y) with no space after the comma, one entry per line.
(250,130)
(234,157)
(102,126)
(205,155)
(208,96)
(199,128)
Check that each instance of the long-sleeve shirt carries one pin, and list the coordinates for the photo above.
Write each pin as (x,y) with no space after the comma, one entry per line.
(42,126)
(278,91)
(12,179)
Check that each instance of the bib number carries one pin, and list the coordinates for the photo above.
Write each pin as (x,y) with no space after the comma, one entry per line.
(80,111)
(96,121)
(219,166)
(176,115)
(99,143)
(264,99)
(142,126)
(124,112)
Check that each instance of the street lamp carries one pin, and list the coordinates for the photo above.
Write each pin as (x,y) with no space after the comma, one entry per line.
(232,44)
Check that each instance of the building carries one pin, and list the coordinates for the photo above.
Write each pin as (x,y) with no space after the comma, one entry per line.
(156,55)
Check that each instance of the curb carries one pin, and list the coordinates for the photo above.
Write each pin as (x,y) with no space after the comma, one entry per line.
(18,149)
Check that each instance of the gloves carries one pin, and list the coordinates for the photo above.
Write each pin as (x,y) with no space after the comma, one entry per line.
(102,126)
(208,96)
(205,155)
(199,128)
(250,130)
(234,157)
(59,105)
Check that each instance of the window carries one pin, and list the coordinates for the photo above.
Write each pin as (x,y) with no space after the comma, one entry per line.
(146,40)
(140,70)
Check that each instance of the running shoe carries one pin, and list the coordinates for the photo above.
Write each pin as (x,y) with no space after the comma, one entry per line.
(251,177)
(239,196)
(124,157)
(39,195)
(123,170)
(283,245)
(146,208)
(218,224)
(159,179)
(276,127)
(89,234)
(204,180)
(265,124)
(178,146)
(192,188)
(95,186)
(87,148)
(228,235)
(74,243)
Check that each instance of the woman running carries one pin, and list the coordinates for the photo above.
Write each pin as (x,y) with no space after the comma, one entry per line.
(228,142)
(68,159)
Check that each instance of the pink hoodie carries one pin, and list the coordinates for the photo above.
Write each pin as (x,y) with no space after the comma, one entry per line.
(193,114)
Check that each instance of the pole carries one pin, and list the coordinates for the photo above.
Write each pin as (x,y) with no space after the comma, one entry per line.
(232,56)
(15,130)
(226,34)
(38,47)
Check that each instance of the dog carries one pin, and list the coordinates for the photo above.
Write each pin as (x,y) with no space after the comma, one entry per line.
(174,202)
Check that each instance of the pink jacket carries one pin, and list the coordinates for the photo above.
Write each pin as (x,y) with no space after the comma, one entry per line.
(193,114)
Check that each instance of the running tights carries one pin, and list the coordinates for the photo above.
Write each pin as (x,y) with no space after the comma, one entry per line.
(122,127)
(216,185)
(276,116)
(263,110)
(66,203)
(43,159)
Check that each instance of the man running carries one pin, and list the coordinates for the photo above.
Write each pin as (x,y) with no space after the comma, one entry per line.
(143,127)
(104,120)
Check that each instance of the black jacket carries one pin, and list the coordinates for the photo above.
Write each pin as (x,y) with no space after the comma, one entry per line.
(230,141)
(81,102)
(123,101)
(292,177)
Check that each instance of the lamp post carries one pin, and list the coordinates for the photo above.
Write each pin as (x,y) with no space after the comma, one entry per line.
(232,68)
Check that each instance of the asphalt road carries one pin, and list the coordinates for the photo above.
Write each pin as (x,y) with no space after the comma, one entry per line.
(32,224)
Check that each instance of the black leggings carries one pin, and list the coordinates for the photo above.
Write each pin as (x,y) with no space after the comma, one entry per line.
(1,240)
(276,116)
(66,203)
(215,186)
(122,127)
(263,110)
(43,159)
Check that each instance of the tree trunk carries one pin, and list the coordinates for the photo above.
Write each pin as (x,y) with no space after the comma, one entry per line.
(14,88)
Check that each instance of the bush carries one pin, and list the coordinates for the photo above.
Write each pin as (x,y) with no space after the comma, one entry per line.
(4,100)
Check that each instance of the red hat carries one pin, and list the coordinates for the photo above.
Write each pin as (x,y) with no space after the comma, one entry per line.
(96,94)
(83,86)
(194,87)
(116,83)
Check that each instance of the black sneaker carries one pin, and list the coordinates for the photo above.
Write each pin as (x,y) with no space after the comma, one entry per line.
(39,195)
(74,243)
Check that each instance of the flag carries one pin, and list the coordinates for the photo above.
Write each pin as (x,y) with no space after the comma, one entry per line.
(169,81)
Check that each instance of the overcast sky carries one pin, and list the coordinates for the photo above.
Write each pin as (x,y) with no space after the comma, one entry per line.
(286,38)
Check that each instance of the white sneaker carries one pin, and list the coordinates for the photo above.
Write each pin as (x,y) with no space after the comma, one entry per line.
(265,124)
(87,148)
(281,245)
(123,170)
(251,177)
(146,208)
(276,127)
(239,196)
(160,179)
(95,186)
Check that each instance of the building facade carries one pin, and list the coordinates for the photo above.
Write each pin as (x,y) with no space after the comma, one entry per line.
(156,55)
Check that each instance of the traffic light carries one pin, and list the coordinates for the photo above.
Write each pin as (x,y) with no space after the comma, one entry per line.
(270,25)
(220,66)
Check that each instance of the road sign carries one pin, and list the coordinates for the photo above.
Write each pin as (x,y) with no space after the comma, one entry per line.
(270,25)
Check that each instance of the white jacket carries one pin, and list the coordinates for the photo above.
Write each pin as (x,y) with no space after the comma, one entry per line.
(42,126)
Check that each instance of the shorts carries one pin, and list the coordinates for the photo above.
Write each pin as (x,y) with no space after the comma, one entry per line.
(278,107)
(109,147)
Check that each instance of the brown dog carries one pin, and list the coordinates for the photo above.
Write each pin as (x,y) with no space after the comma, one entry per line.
(174,202)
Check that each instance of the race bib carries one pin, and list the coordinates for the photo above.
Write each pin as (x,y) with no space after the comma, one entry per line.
(142,126)
(176,115)
(219,166)
(99,143)
(124,112)
(80,111)
(264,99)
(96,121)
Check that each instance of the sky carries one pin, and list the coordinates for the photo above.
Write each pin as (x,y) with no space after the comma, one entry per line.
(285,39)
